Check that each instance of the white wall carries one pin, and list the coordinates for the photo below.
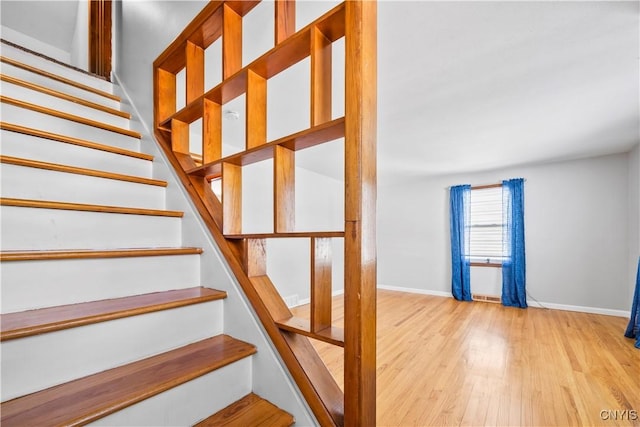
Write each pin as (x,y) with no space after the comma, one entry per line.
(79,55)
(634,216)
(35,45)
(576,230)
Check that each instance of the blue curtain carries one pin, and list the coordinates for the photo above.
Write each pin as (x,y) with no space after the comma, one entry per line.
(460,213)
(633,330)
(513,265)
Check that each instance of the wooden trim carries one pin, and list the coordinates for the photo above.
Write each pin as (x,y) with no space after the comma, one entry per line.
(87,399)
(293,234)
(301,326)
(80,171)
(59,78)
(64,96)
(93,254)
(67,116)
(45,204)
(481,187)
(251,410)
(100,12)
(485,264)
(74,141)
(44,320)
(360,213)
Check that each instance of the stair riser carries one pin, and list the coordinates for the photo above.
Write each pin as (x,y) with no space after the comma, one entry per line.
(57,69)
(34,363)
(22,182)
(39,229)
(38,79)
(190,402)
(30,147)
(28,285)
(45,100)
(29,118)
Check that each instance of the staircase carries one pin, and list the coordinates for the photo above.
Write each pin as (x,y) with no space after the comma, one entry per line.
(104,316)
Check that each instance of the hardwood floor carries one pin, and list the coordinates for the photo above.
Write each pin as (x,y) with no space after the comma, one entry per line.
(442,362)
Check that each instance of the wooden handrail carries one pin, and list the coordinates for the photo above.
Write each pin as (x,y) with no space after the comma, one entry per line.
(246,252)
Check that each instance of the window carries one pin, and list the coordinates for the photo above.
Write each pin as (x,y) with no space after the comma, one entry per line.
(486,224)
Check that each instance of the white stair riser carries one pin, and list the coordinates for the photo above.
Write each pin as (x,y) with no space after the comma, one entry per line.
(49,101)
(28,285)
(41,361)
(29,118)
(57,69)
(39,229)
(21,182)
(38,79)
(190,402)
(45,150)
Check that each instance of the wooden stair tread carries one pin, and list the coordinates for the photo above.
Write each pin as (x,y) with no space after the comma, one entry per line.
(46,204)
(39,321)
(74,141)
(251,410)
(67,116)
(43,255)
(17,161)
(299,325)
(58,78)
(87,399)
(61,95)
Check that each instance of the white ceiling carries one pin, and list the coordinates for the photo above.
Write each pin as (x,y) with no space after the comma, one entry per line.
(470,86)
(52,22)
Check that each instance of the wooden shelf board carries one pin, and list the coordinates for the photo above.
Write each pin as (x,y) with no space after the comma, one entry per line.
(46,204)
(316,135)
(293,234)
(298,325)
(74,141)
(87,399)
(34,322)
(44,255)
(17,161)
(251,410)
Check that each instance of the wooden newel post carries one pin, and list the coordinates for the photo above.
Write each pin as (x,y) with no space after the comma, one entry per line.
(360,213)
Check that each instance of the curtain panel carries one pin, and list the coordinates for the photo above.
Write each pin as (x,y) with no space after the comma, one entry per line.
(460,213)
(514,266)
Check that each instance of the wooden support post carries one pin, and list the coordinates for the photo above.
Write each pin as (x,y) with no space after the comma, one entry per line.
(195,71)
(255,257)
(165,95)
(320,283)
(231,42)
(285,19)
(360,218)
(231,199)
(320,78)
(256,100)
(284,183)
(211,132)
(179,136)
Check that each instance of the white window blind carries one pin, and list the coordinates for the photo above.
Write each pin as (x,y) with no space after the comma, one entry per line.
(486,225)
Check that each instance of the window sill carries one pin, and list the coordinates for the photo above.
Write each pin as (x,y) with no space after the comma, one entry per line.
(486,264)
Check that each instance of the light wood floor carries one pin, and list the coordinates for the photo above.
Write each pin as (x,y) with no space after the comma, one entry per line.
(443,362)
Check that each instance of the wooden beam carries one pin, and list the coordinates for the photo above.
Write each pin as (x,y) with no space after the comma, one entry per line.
(179,136)
(211,132)
(360,217)
(231,42)
(320,284)
(320,78)
(256,100)
(195,72)
(231,199)
(284,183)
(165,95)
(255,257)
(285,19)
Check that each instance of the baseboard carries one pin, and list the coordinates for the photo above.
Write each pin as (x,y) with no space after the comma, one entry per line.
(305,301)
(552,306)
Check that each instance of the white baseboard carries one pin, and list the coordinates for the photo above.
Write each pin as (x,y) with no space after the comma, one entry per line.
(305,301)
(552,306)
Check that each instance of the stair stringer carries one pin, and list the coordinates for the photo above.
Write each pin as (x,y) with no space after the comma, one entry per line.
(270,378)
